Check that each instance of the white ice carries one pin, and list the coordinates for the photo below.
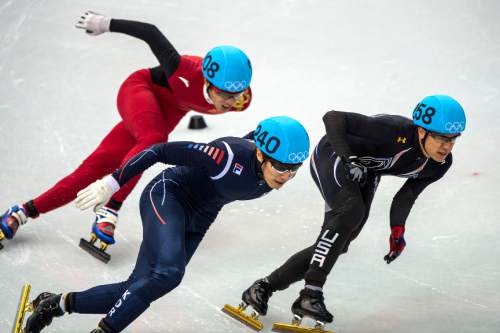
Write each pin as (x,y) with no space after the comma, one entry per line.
(58,89)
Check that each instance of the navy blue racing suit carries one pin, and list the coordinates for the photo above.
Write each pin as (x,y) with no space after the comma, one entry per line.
(177,208)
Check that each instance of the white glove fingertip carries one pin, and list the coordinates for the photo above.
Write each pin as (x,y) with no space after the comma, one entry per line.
(86,205)
(83,191)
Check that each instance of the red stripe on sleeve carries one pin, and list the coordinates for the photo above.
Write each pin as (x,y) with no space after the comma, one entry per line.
(215,154)
(220,157)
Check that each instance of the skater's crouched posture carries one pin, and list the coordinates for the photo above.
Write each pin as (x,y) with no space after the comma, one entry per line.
(151,102)
(346,166)
(177,208)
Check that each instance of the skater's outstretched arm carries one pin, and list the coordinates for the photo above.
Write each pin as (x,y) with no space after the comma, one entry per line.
(213,158)
(168,57)
(210,157)
(405,198)
(403,202)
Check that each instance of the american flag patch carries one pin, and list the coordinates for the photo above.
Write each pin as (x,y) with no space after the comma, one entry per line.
(237,169)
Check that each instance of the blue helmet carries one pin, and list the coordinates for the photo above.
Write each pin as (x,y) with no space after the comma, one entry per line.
(441,114)
(227,68)
(283,139)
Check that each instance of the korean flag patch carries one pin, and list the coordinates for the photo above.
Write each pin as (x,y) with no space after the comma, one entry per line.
(238,169)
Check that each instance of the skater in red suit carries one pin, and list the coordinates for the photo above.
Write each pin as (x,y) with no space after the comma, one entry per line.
(151,102)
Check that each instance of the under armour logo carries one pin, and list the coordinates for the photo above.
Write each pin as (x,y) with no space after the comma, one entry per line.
(186,82)
(401,139)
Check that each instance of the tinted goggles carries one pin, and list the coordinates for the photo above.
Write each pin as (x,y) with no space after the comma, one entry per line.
(443,138)
(282,168)
(226,95)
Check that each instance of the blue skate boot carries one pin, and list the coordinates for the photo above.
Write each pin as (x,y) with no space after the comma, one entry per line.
(10,222)
(103,230)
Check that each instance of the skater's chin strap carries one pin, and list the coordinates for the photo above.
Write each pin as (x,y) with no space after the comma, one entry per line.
(422,143)
(260,167)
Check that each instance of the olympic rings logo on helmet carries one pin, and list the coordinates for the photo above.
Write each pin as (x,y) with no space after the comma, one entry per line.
(298,157)
(456,126)
(235,85)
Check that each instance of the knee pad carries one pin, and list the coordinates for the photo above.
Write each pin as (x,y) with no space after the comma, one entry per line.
(163,281)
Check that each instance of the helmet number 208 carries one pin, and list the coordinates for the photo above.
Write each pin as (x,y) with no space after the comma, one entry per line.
(271,144)
(211,67)
(426,114)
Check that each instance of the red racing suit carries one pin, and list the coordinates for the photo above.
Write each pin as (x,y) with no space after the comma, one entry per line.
(151,102)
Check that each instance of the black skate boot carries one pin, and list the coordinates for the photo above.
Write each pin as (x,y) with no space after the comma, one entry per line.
(311,304)
(258,295)
(103,328)
(46,307)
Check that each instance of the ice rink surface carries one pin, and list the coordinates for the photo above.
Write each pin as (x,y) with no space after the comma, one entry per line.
(58,89)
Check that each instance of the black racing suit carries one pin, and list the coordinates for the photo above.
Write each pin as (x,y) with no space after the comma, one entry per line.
(386,145)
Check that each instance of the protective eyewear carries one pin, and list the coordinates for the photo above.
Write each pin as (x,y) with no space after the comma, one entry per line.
(443,138)
(227,95)
(282,168)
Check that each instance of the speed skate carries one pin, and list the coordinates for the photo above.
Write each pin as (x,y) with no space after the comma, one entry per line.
(23,307)
(296,326)
(97,252)
(238,313)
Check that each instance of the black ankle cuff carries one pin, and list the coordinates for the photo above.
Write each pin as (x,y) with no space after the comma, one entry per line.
(113,204)
(31,209)
(105,327)
(69,302)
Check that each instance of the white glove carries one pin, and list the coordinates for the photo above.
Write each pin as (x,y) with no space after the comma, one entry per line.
(93,23)
(97,194)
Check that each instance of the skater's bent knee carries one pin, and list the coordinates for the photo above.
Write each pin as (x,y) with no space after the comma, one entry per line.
(165,280)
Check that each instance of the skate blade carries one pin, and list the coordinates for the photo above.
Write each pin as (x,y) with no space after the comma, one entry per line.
(280,327)
(239,314)
(2,236)
(94,251)
(23,307)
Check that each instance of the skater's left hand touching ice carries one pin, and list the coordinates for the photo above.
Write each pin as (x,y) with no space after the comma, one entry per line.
(397,243)
(94,24)
(97,194)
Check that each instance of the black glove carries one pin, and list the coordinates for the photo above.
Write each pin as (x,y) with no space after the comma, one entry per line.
(354,169)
